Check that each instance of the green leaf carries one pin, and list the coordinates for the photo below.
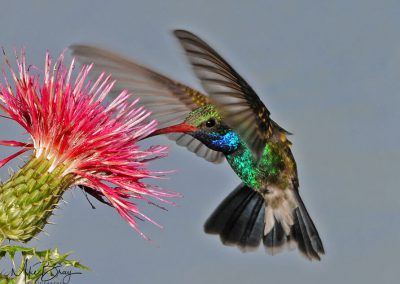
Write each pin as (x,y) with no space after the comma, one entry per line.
(47,258)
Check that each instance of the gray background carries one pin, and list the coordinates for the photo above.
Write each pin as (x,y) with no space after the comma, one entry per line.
(329,72)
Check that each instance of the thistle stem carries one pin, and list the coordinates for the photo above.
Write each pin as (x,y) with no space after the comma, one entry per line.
(29,197)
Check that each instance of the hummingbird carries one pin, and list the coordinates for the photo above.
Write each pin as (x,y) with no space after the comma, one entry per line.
(227,122)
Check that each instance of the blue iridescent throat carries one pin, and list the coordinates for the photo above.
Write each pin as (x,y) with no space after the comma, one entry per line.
(226,143)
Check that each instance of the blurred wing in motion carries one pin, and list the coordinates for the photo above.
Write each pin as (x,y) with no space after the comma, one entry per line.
(168,100)
(240,106)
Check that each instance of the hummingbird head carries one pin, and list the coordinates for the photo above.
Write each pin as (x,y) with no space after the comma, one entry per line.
(206,125)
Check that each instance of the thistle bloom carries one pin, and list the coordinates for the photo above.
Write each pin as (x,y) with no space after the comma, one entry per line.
(77,139)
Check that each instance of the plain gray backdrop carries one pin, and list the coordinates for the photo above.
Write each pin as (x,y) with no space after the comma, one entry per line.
(329,71)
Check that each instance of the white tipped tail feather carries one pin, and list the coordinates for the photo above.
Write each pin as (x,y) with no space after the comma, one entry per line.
(278,218)
(281,205)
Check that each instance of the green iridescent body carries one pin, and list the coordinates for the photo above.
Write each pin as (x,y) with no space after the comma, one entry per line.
(276,166)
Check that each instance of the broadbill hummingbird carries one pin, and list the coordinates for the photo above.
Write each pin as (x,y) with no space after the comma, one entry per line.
(229,122)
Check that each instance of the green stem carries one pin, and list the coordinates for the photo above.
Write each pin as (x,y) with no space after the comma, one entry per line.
(29,197)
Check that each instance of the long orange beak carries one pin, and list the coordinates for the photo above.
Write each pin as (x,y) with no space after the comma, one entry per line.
(178,128)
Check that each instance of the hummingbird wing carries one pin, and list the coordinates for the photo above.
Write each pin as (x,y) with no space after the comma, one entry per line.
(168,100)
(239,104)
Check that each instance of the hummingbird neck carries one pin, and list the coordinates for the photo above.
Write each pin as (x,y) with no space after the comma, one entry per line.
(242,162)
(226,142)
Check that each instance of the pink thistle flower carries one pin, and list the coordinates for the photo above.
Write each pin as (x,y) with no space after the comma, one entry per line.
(77,139)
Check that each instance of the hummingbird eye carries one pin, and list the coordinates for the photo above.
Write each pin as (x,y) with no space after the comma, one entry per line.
(210,123)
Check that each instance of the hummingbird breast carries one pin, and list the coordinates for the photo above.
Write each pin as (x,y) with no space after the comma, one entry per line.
(276,166)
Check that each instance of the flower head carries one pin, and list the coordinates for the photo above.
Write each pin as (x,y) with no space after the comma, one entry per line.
(77,139)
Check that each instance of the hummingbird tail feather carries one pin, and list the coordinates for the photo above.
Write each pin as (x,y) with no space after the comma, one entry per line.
(239,219)
(243,219)
(304,232)
(287,222)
